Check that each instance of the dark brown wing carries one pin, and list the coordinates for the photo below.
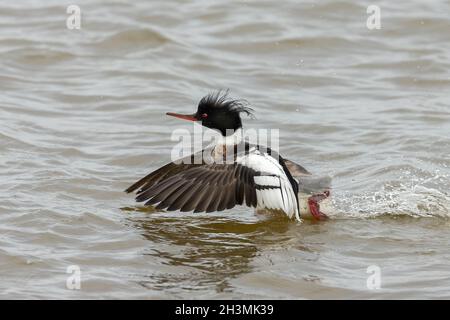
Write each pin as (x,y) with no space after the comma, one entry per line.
(307,183)
(158,175)
(295,169)
(197,187)
(168,170)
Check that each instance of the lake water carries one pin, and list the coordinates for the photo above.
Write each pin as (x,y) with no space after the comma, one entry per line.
(82,116)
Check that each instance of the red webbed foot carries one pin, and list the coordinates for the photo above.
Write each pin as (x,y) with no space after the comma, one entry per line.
(314,207)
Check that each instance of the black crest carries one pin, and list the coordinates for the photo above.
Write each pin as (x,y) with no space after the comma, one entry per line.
(221,100)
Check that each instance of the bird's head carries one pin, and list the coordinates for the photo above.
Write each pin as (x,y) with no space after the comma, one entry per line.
(218,112)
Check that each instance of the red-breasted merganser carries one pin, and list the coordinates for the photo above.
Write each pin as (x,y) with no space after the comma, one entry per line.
(208,181)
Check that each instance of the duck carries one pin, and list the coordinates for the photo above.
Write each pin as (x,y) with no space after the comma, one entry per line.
(232,171)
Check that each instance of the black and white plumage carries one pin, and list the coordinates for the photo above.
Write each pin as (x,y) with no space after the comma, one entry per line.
(255,178)
(203,182)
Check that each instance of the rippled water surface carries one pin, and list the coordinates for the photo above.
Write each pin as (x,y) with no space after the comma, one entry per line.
(82,117)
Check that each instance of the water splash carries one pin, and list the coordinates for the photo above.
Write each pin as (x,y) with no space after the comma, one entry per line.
(408,195)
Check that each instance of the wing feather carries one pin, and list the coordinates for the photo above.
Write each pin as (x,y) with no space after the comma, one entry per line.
(197,187)
(257,179)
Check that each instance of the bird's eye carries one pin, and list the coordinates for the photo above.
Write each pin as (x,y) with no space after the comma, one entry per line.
(204,115)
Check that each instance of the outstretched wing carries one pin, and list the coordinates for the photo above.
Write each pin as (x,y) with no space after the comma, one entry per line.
(255,178)
(158,175)
(197,187)
(307,183)
(295,169)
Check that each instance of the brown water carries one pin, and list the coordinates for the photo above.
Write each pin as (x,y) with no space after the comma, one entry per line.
(82,117)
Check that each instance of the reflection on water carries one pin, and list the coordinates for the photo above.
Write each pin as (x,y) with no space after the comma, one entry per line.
(214,248)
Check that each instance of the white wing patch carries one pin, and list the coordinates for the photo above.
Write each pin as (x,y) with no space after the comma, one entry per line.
(269,181)
(273,189)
